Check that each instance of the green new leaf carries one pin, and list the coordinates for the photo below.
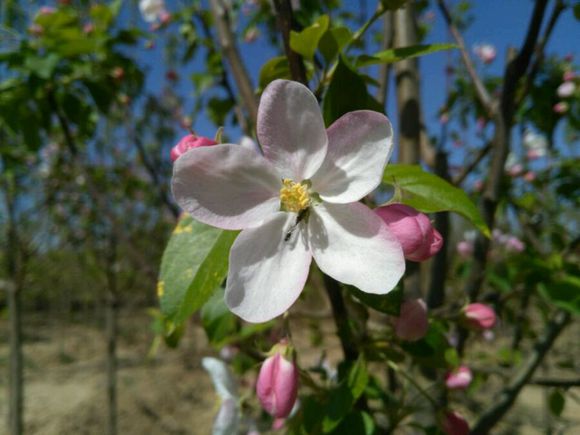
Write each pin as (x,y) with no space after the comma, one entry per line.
(337,102)
(397,54)
(429,193)
(388,304)
(563,292)
(275,68)
(194,264)
(306,41)
(333,41)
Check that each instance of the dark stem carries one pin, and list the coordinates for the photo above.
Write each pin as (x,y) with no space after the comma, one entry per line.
(507,397)
(285,25)
(472,165)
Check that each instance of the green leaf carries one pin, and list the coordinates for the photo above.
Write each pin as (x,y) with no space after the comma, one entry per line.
(563,292)
(556,402)
(337,102)
(344,397)
(357,422)
(306,41)
(333,41)
(217,320)
(43,66)
(397,54)
(275,68)
(429,193)
(194,264)
(387,304)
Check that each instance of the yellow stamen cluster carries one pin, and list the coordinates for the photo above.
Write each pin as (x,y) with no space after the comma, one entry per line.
(294,197)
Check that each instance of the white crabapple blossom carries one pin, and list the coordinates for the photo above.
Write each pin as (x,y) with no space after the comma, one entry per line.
(152,10)
(297,201)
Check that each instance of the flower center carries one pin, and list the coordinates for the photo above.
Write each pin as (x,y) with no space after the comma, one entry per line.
(294,197)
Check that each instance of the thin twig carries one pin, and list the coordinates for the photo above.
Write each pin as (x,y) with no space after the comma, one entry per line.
(484,97)
(284,16)
(230,50)
(509,394)
(471,166)
(557,383)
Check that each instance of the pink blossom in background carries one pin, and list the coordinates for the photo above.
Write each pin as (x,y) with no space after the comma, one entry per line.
(35,29)
(152,10)
(569,76)
(46,10)
(459,379)
(88,28)
(479,316)
(277,386)
(189,142)
(465,248)
(566,89)
(515,170)
(251,35)
(412,323)
(444,118)
(413,230)
(530,176)
(561,107)
(454,424)
(485,52)
(478,185)
(514,244)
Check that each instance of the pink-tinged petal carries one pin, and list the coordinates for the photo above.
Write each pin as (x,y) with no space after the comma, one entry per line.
(413,322)
(479,316)
(291,130)
(459,379)
(359,146)
(226,186)
(354,246)
(268,268)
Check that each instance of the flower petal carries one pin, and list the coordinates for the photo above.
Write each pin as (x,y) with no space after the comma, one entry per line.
(359,146)
(354,246)
(227,186)
(268,268)
(291,130)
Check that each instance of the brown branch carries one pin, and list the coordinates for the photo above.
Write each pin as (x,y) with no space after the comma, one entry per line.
(557,383)
(484,98)
(507,397)
(230,50)
(284,17)
(471,166)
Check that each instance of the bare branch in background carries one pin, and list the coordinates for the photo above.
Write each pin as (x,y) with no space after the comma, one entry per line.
(227,42)
(472,165)
(284,16)
(385,68)
(482,94)
(509,394)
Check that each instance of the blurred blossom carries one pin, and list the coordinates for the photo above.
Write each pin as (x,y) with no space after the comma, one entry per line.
(228,417)
(152,10)
(453,339)
(118,73)
(249,143)
(514,244)
(413,322)
(530,176)
(185,122)
(481,123)
(465,248)
(413,230)
(454,424)
(513,166)
(189,142)
(251,35)
(46,10)
(536,144)
(88,28)
(566,89)
(561,107)
(227,353)
(488,335)
(478,185)
(479,316)
(35,29)
(459,379)
(277,386)
(444,118)
(485,52)
(569,76)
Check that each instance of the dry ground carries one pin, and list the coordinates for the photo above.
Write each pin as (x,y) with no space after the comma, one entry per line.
(170,394)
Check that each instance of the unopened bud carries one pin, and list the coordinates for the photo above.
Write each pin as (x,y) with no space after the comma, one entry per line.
(189,142)
(479,316)
(454,424)
(412,323)
(413,230)
(459,379)
(277,386)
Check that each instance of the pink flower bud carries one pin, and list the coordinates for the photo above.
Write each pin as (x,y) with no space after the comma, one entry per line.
(444,118)
(454,424)
(514,244)
(412,323)
(515,170)
(459,379)
(277,385)
(465,248)
(485,52)
(188,142)
(561,107)
(479,316)
(569,76)
(88,28)
(530,176)
(413,230)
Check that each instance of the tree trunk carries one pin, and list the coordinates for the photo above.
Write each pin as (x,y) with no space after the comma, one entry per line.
(14,290)
(111,335)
